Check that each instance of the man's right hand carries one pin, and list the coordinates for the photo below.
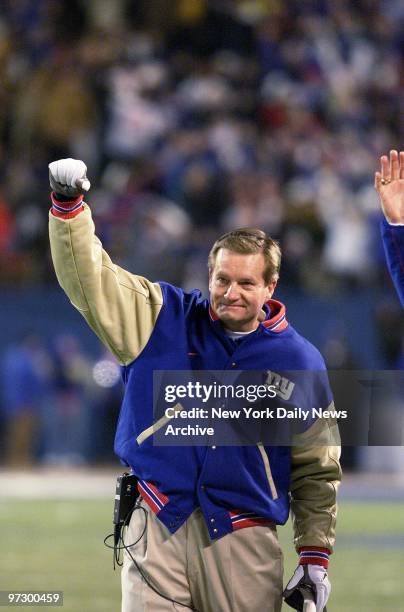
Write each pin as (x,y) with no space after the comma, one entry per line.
(311,578)
(389,184)
(67,177)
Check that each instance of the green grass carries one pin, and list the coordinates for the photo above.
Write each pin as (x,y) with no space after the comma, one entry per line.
(367,567)
(57,545)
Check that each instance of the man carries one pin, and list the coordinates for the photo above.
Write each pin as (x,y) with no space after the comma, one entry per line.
(389,183)
(196,552)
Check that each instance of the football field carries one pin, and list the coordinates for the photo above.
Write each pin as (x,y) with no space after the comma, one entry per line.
(57,544)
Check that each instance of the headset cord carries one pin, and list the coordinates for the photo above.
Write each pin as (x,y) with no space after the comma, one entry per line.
(119,545)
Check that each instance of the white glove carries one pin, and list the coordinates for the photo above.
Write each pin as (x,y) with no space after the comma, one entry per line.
(68,177)
(313,576)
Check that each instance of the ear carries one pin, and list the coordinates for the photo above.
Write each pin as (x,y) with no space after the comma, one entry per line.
(210,279)
(271,288)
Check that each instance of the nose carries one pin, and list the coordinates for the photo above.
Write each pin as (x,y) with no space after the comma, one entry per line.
(231,292)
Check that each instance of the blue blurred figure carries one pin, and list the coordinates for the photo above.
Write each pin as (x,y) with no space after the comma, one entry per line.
(23,386)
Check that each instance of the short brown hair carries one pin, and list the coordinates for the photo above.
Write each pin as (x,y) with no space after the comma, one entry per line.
(247,240)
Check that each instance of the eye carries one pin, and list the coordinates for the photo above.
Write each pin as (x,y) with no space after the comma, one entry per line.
(221,280)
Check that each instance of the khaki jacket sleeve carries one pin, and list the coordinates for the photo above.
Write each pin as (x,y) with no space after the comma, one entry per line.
(120,307)
(315,477)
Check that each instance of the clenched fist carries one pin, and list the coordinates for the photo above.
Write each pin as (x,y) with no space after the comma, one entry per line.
(68,177)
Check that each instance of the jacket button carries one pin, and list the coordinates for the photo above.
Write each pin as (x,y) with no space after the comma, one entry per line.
(212,520)
(213,447)
(215,530)
(233,365)
(203,487)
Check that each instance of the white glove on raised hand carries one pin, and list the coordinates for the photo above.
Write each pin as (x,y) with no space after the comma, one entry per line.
(68,177)
(313,576)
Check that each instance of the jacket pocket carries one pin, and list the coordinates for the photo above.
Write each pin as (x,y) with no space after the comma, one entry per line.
(265,460)
(146,433)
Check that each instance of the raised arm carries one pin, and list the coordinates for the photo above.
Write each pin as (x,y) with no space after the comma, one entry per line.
(389,183)
(122,308)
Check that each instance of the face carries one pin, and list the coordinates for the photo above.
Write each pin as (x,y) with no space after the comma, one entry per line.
(238,289)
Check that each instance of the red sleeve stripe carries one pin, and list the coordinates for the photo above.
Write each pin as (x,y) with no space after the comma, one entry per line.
(314,556)
(66,207)
(320,549)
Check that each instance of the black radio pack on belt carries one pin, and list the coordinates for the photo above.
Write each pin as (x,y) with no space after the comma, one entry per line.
(126,494)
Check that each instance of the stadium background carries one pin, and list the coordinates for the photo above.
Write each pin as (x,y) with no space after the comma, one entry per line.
(193,117)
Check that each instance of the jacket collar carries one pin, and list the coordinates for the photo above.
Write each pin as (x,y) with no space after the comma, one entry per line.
(274,312)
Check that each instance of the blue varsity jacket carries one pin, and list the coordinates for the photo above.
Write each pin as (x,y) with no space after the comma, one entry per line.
(229,484)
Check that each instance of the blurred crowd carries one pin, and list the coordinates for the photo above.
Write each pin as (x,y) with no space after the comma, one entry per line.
(196,116)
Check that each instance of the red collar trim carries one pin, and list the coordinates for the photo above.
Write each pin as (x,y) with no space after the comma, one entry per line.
(277,321)
(212,314)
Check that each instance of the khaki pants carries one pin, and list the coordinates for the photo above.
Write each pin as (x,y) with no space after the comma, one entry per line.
(240,572)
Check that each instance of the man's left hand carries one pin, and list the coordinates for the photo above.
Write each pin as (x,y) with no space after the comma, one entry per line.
(313,576)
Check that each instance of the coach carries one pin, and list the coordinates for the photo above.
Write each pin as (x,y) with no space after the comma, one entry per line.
(389,183)
(210,542)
